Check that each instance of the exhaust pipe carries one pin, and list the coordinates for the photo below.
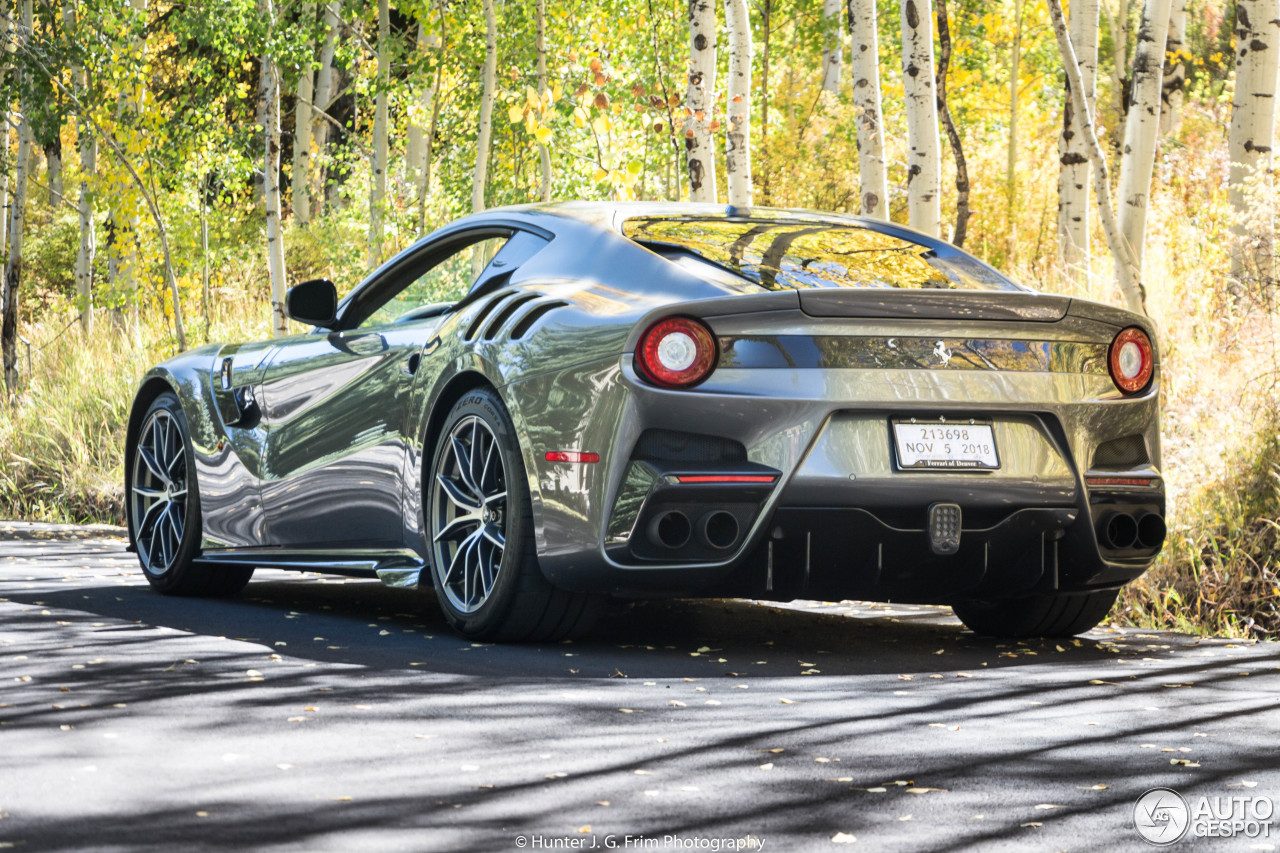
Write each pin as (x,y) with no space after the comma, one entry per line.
(670,529)
(1118,531)
(1151,531)
(718,529)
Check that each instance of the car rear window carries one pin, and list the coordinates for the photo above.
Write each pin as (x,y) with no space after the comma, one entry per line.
(793,254)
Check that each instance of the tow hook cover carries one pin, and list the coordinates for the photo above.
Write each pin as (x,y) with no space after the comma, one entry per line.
(944,528)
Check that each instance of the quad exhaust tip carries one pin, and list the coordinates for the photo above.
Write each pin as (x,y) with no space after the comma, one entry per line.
(718,529)
(1119,531)
(1151,530)
(670,529)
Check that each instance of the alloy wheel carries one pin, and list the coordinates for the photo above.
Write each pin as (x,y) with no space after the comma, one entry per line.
(158,491)
(468,513)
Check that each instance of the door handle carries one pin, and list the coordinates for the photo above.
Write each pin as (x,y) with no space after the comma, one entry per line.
(411,363)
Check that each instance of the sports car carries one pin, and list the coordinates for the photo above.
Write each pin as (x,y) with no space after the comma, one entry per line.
(536,408)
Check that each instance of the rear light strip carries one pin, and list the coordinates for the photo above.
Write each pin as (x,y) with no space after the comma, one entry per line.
(1142,482)
(725,478)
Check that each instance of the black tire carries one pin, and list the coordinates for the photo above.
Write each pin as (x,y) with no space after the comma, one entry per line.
(489,591)
(1060,615)
(163,508)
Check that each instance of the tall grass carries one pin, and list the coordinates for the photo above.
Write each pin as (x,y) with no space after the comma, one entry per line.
(62,441)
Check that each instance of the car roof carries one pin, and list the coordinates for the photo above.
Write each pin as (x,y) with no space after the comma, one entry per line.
(613,213)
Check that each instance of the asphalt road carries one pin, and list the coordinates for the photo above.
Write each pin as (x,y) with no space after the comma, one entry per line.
(329,714)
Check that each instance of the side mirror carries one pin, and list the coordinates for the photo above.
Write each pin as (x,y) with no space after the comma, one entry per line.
(313,302)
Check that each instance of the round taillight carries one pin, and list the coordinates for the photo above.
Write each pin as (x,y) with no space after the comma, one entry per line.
(1131,360)
(676,352)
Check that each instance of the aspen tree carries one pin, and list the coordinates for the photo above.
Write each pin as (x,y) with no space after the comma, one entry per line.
(1011,150)
(486,106)
(88,146)
(271,173)
(832,46)
(125,227)
(700,101)
(302,120)
(1253,113)
(953,134)
(6,116)
(1175,70)
(737,154)
(17,216)
(1073,155)
(378,162)
(872,174)
(544,153)
(924,162)
(324,93)
(1125,268)
(1142,125)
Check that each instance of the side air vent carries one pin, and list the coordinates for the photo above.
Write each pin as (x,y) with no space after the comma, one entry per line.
(500,319)
(1127,452)
(533,315)
(474,328)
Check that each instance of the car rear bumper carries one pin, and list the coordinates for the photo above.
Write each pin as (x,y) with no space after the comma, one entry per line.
(843,519)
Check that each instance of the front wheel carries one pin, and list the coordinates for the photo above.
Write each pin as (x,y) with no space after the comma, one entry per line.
(164,509)
(484,565)
(1058,615)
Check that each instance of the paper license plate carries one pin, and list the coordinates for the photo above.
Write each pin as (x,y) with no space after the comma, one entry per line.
(945,445)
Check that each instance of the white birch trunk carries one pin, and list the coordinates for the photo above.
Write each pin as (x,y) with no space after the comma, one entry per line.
(544,153)
(129,261)
(271,179)
(737,152)
(53,167)
(1253,113)
(323,95)
(1011,150)
(6,116)
(87,143)
(872,174)
(302,126)
(1126,270)
(486,106)
(1073,154)
(17,216)
(1118,15)
(1175,71)
(378,164)
(832,46)
(204,259)
(700,101)
(924,155)
(1142,125)
(416,145)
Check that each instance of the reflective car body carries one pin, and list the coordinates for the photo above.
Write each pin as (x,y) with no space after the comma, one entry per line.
(835,338)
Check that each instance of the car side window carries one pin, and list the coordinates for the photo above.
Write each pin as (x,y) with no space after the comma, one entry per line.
(444,282)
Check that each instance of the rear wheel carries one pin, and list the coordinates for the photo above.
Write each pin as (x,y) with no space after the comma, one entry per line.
(484,565)
(164,509)
(1059,615)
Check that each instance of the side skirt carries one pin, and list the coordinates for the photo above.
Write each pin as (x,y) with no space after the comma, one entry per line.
(396,569)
